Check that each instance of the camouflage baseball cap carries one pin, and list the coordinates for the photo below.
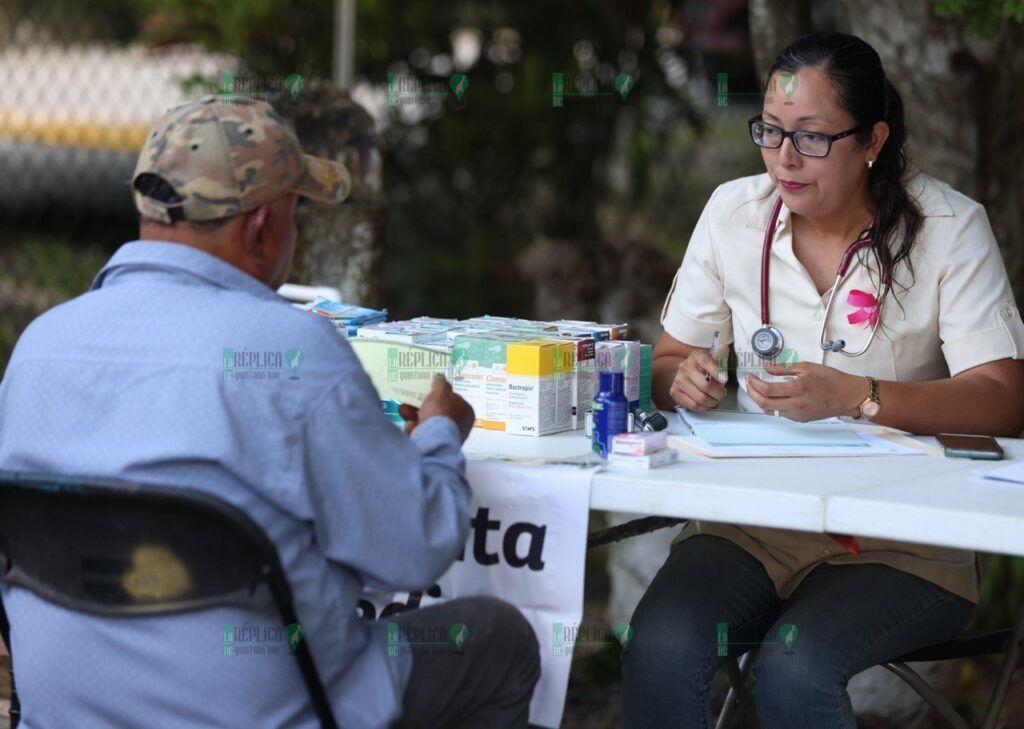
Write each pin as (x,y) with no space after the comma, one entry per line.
(222,159)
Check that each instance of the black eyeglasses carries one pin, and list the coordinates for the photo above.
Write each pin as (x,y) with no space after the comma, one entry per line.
(809,144)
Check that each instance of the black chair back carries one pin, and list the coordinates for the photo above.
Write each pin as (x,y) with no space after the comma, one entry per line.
(121,549)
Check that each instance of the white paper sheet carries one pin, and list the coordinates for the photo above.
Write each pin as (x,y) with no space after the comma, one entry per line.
(1013,472)
(742,430)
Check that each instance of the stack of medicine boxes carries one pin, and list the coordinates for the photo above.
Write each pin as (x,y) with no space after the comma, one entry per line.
(522,377)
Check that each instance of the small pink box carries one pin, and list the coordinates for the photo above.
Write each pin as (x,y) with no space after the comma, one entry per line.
(651,460)
(641,443)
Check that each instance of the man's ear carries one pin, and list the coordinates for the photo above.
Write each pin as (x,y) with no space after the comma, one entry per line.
(254,242)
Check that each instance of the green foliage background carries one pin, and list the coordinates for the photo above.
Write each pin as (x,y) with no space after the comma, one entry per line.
(471,187)
(982,16)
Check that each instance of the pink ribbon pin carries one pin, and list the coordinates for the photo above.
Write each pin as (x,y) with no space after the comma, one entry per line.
(867,307)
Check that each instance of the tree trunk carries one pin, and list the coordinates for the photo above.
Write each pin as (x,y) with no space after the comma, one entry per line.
(964,111)
(773,25)
(340,246)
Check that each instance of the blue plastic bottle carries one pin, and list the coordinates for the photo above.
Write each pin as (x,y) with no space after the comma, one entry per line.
(610,412)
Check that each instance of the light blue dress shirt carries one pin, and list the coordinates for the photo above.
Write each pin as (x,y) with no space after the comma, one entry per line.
(132,380)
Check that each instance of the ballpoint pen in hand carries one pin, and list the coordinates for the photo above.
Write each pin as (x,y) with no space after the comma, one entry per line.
(713,352)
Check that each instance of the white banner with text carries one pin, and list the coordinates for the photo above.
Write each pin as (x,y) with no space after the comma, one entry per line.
(527,546)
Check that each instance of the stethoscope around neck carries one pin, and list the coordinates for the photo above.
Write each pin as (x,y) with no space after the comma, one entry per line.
(768,341)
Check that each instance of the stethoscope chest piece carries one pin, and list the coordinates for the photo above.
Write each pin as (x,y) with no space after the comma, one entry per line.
(767,342)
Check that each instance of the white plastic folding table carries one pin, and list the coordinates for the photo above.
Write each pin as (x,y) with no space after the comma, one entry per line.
(926,499)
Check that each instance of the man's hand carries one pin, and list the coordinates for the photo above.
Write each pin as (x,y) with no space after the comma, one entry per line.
(442,400)
(411,415)
(817,392)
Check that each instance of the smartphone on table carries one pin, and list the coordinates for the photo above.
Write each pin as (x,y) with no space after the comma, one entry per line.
(980,447)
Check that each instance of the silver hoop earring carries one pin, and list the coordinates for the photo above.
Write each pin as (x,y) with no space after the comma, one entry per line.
(871,162)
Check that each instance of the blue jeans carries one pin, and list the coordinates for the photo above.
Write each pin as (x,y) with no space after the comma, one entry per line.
(848,618)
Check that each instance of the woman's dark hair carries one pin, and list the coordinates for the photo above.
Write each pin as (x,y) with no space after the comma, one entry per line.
(856,72)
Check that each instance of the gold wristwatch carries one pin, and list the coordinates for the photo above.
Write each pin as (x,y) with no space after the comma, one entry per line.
(871,405)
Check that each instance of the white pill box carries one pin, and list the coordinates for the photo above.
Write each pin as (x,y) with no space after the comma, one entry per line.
(641,443)
(762,374)
(643,463)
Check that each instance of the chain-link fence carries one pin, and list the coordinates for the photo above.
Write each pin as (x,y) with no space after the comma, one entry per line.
(76,100)
(74,110)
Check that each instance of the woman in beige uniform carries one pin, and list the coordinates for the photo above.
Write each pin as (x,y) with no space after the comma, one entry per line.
(923,335)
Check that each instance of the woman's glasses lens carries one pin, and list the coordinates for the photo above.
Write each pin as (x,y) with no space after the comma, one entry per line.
(808,143)
(765,135)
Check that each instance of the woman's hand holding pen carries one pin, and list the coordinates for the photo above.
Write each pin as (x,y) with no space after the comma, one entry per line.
(696,385)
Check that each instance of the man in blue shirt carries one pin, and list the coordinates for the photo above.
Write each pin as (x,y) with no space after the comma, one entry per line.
(183,367)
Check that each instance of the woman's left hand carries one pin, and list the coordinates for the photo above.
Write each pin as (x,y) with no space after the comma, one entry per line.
(817,392)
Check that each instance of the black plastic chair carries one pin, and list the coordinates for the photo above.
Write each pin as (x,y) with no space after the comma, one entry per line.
(969,644)
(72,542)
